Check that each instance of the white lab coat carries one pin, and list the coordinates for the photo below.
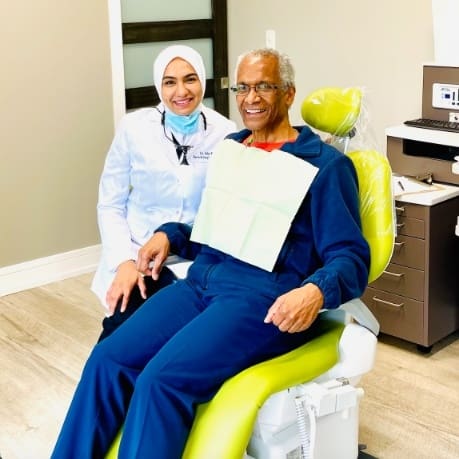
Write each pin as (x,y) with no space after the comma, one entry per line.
(143,185)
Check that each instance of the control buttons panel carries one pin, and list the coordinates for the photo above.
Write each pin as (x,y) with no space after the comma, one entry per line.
(445,96)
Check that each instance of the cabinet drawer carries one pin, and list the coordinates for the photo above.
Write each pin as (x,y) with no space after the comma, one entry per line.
(410,226)
(404,209)
(409,251)
(397,316)
(401,280)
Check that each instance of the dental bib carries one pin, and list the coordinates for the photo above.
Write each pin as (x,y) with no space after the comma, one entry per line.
(250,199)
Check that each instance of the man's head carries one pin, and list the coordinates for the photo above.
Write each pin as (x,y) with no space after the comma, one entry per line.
(265,90)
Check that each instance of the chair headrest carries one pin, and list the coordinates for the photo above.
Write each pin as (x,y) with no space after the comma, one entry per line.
(333,110)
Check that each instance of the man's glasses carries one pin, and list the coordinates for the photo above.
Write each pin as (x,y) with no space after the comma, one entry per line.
(242,89)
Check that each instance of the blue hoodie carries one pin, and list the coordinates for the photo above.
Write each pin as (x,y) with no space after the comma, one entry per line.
(324,246)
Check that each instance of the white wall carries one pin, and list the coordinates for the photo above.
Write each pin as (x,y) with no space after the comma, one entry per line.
(379,45)
(56,123)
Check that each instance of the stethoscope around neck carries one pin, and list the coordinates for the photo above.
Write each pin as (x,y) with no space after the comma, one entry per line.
(181,150)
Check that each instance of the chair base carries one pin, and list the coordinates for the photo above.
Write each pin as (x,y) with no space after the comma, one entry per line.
(310,415)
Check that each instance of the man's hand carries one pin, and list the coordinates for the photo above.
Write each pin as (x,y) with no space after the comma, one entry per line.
(156,250)
(297,309)
(125,278)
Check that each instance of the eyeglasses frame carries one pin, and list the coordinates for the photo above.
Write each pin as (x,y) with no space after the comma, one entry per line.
(262,88)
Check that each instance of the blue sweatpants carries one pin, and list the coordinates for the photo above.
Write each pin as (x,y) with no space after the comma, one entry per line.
(172,354)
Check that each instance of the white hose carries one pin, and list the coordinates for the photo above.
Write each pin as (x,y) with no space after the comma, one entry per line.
(306,427)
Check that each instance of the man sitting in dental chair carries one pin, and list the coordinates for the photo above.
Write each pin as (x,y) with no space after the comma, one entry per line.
(277,238)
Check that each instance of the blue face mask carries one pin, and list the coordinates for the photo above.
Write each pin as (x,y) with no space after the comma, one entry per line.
(182,124)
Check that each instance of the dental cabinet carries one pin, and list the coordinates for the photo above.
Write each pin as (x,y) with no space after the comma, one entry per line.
(417,297)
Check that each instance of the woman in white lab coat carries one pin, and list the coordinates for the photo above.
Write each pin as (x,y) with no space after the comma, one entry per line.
(154,173)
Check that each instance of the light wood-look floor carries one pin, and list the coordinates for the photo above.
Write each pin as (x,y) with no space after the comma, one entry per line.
(410,409)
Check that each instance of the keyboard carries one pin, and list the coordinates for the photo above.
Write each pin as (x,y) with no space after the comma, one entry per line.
(425,123)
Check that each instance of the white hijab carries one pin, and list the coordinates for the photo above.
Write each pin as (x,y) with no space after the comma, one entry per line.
(184,52)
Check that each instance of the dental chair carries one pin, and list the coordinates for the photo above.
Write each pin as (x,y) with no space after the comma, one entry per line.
(304,404)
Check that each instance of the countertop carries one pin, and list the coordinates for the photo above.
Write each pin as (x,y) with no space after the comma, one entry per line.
(403,131)
(409,190)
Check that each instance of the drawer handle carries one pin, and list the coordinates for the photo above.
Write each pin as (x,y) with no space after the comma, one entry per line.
(399,245)
(388,303)
(400,209)
(400,225)
(397,275)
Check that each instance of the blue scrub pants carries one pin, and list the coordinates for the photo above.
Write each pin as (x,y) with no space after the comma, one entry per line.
(172,354)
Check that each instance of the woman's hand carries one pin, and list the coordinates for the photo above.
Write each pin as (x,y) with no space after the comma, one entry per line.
(156,250)
(126,278)
(297,309)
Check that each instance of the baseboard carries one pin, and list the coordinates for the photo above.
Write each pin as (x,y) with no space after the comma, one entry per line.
(34,273)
